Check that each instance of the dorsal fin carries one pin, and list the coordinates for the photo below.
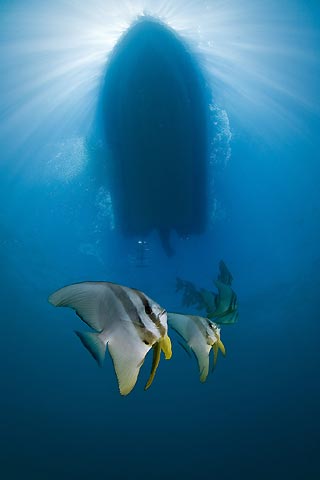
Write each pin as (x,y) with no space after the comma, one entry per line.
(88,299)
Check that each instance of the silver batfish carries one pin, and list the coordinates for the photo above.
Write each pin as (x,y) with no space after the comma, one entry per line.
(201,335)
(123,318)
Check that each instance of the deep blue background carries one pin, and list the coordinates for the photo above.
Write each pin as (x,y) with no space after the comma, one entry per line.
(257,417)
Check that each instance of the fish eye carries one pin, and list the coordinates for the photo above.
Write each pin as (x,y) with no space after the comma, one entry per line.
(148,309)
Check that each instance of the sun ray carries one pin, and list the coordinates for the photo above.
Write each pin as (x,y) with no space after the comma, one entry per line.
(258,58)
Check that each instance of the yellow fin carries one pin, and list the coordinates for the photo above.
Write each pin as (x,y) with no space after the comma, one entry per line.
(215,349)
(222,348)
(203,375)
(165,343)
(155,363)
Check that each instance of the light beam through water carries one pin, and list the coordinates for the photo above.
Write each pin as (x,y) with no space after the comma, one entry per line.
(257,56)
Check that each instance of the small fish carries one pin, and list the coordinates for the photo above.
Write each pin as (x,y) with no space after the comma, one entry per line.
(221,306)
(226,304)
(200,335)
(208,301)
(125,319)
(224,274)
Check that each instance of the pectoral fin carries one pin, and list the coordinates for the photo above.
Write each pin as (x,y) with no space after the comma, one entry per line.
(221,347)
(218,345)
(165,344)
(155,362)
(215,349)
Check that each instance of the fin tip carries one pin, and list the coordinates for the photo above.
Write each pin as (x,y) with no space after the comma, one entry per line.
(93,344)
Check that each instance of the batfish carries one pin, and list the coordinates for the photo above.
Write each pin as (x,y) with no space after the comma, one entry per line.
(226,304)
(201,335)
(123,318)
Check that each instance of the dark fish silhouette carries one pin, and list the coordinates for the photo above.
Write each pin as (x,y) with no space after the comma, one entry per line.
(221,306)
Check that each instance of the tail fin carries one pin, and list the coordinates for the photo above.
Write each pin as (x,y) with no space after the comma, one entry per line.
(94,344)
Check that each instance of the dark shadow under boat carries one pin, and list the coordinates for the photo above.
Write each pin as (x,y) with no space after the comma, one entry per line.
(154,115)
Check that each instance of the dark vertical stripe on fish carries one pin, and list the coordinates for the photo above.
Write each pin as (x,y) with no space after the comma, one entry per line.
(131,310)
(153,317)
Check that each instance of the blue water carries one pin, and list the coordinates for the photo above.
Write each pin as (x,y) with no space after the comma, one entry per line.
(257,416)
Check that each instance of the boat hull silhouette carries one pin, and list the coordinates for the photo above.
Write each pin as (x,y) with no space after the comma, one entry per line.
(154,112)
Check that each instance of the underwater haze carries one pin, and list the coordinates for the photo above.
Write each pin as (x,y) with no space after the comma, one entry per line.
(257,415)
